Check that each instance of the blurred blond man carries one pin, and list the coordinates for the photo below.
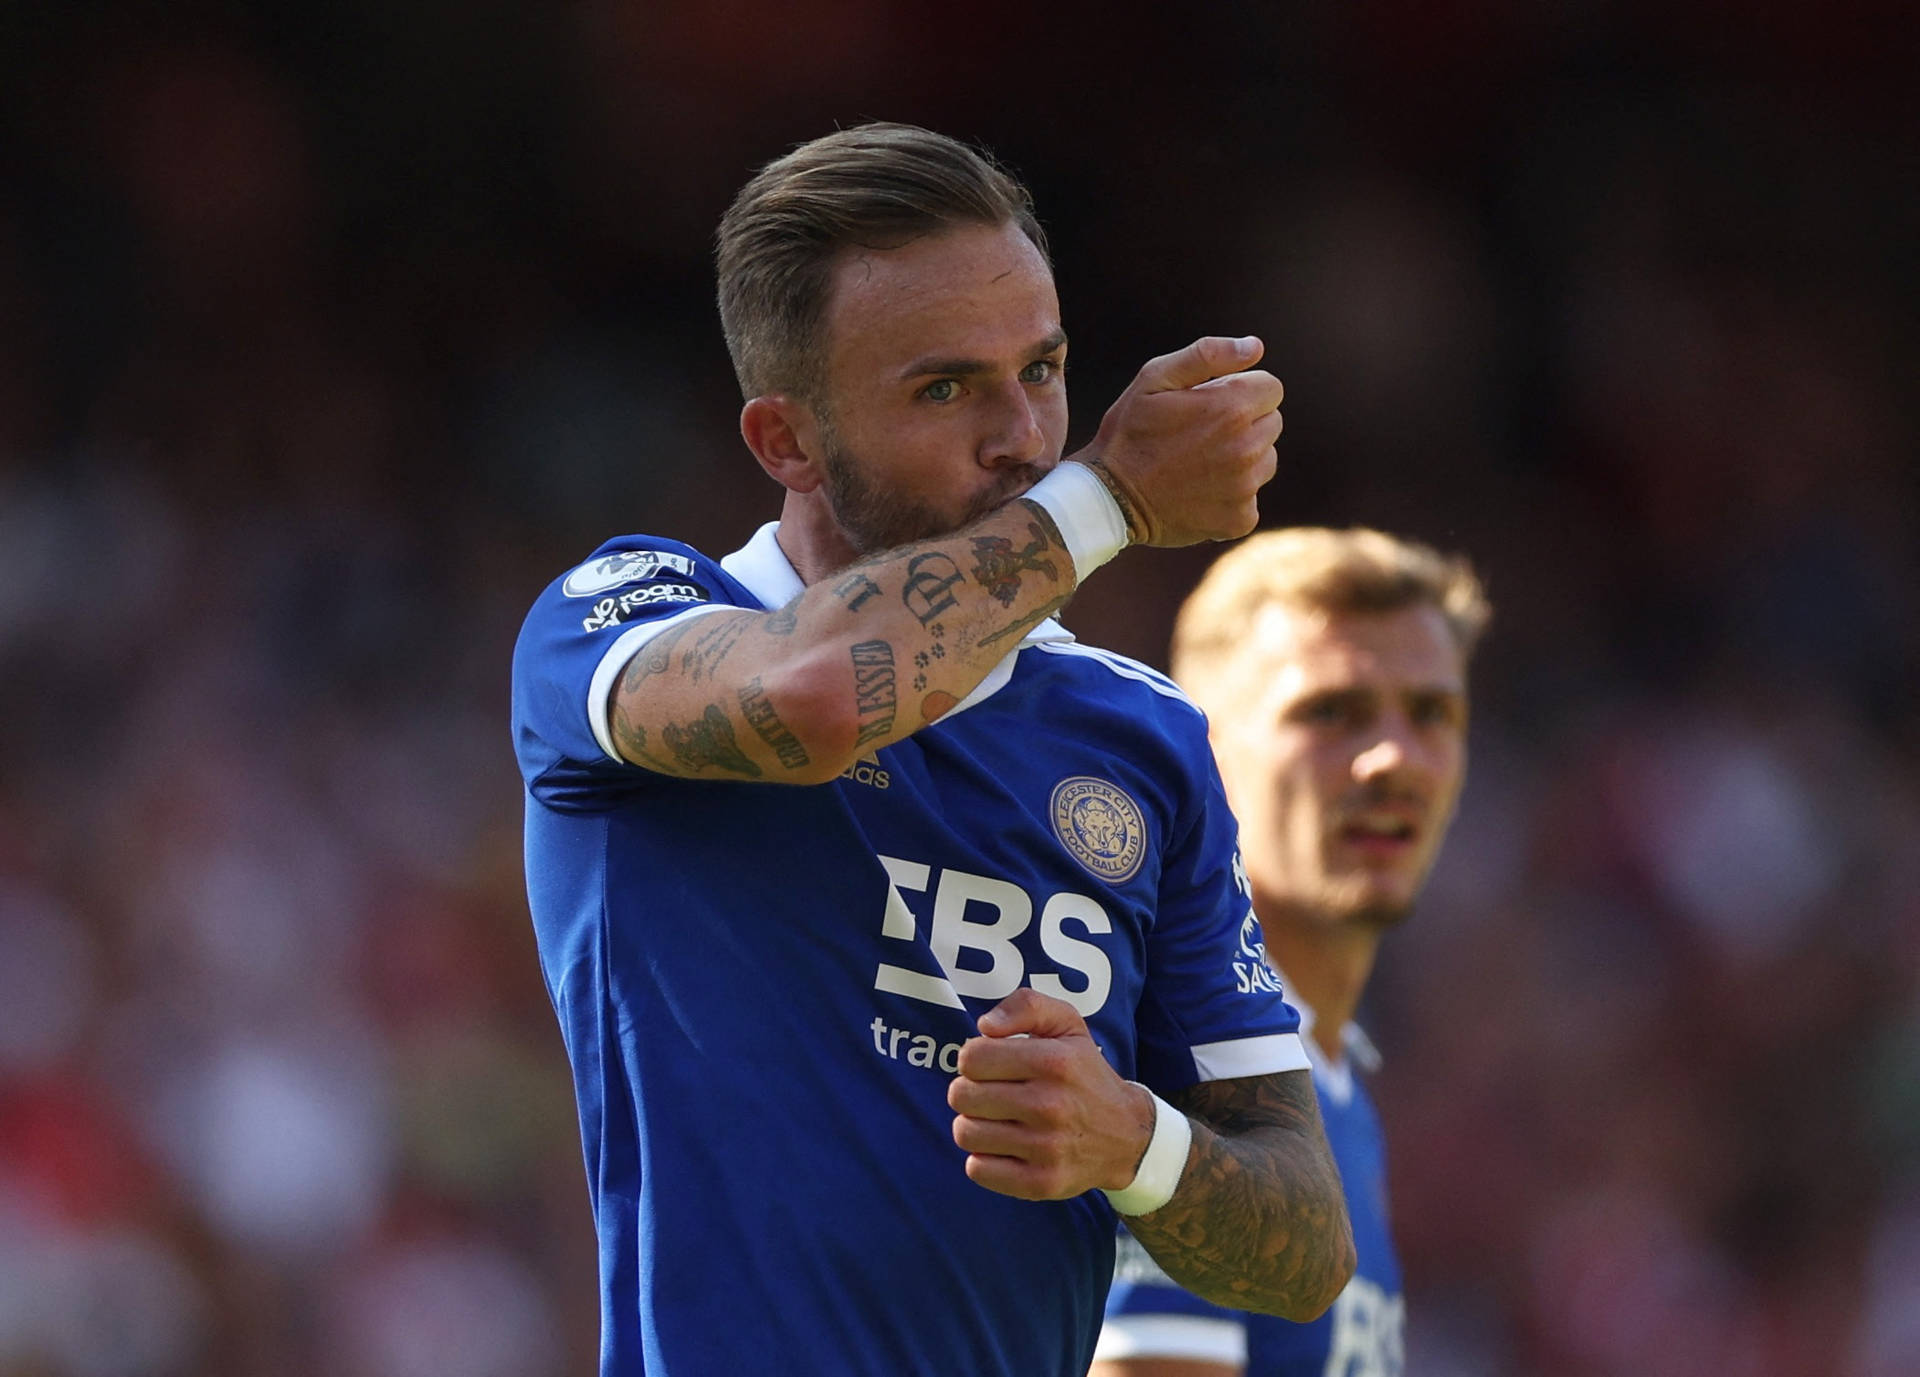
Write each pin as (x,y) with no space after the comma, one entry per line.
(1332,666)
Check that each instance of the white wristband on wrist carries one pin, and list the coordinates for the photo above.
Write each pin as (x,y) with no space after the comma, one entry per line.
(1090,521)
(1160,1170)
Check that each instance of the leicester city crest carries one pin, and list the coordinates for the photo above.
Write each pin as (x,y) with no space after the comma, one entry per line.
(1101,825)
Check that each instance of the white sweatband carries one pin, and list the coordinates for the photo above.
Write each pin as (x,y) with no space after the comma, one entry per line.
(1090,521)
(1160,1170)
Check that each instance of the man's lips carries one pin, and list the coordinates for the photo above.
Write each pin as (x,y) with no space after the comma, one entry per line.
(1381,832)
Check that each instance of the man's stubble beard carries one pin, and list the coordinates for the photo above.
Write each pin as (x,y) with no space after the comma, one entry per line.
(874,519)
(1346,903)
(871,519)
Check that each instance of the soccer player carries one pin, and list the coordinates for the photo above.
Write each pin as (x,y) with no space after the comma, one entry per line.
(895,936)
(1333,669)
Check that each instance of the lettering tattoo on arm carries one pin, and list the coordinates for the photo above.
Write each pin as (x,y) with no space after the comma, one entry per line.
(929,590)
(711,647)
(875,690)
(1259,1222)
(856,590)
(759,712)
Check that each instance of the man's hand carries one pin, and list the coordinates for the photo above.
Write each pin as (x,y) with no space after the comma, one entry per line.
(1188,446)
(1038,1109)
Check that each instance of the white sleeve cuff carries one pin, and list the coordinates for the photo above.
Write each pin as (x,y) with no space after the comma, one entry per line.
(1196,1338)
(1261,1056)
(624,648)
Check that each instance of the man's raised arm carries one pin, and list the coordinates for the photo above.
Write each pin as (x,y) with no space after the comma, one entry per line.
(875,651)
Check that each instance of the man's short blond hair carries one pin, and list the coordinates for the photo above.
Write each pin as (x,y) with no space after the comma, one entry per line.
(1319,569)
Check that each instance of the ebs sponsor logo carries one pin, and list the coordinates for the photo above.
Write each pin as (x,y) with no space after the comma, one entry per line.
(983,917)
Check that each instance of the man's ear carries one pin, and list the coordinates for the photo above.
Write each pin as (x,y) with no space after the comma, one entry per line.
(784,436)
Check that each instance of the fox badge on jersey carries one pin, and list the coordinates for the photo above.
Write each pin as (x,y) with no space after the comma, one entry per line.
(1101,827)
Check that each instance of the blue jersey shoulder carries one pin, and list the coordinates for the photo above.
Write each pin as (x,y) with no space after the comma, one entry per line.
(581,629)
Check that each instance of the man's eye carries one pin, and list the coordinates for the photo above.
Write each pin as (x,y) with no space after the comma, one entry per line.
(945,390)
(1039,371)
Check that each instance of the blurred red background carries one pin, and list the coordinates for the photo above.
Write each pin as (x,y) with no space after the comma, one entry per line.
(329,333)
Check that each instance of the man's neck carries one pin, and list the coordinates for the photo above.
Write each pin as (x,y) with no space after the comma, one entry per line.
(812,542)
(1326,966)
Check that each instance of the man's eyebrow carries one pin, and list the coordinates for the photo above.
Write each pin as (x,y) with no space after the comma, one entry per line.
(955,366)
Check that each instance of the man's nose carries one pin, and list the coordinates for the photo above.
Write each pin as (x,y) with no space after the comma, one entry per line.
(1017,437)
(1395,751)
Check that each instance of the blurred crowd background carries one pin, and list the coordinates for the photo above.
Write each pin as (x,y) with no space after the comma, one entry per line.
(330,332)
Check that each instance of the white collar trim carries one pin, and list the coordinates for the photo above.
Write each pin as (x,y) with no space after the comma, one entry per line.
(763,568)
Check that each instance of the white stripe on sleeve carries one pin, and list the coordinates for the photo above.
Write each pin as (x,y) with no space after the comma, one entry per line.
(1262,1056)
(1194,1337)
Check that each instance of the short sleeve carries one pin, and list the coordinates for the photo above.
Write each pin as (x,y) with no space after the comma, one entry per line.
(582,631)
(1211,1007)
(1150,1316)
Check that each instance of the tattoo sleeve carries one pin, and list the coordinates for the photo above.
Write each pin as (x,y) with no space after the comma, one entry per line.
(760,715)
(875,689)
(711,647)
(856,590)
(698,745)
(998,565)
(868,653)
(629,735)
(1260,1220)
(707,743)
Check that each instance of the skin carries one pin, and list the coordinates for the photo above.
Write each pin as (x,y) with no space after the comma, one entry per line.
(945,401)
(1330,729)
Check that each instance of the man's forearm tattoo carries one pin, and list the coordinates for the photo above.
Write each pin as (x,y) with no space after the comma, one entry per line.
(923,661)
(856,590)
(759,712)
(1033,618)
(1258,1223)
(711,647)
(707,743)
(998,565)
(782,620)
(1047,523)
(655,657)
(874,688)
(631,739)
(930,580)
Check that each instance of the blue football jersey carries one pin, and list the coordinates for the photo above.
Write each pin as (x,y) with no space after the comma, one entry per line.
(1362,1335)
(763,989)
